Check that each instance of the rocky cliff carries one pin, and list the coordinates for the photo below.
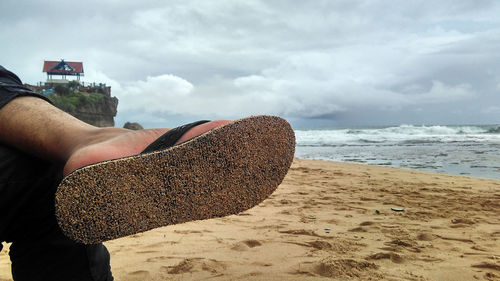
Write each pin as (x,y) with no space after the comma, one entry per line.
(99,113)
(93,104)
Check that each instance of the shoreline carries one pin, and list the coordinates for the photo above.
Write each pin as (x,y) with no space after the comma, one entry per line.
(401,168)
(331,221)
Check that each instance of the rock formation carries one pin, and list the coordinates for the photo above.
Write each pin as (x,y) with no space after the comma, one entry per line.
(133,126)
(99,113)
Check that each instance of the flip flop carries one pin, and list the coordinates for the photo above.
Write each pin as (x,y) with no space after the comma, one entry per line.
(171,137)
(221,172)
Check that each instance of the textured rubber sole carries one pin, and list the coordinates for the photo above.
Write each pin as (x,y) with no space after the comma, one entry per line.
(224,171)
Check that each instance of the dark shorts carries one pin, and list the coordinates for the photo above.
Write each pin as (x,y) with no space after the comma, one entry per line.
(39,250)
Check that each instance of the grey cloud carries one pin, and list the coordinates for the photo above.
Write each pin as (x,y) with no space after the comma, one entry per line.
(346,60)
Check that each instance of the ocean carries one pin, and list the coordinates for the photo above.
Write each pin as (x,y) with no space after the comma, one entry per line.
(458,150)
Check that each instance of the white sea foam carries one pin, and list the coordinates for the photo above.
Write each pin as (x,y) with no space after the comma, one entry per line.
(400,135)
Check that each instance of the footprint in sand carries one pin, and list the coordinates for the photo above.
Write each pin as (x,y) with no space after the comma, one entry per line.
(338,245)
(139,275)
(461,222)
(160,258)
(250,275)
(358,229)
(491,276)
(285,202)
(426,237)
(245,245)
(265,264)
(146,252)
(479,248)
(320,245)
(196,265)
(285,212)
(395,258)
(340,268)
(299,232)
(398,245)
(487,265)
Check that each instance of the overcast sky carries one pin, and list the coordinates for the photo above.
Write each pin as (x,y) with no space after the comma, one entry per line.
(316,63)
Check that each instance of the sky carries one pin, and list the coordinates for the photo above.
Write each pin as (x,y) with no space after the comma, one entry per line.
(315,63)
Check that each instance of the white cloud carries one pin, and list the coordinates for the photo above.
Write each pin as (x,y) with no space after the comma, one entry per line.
(442,93)
(96,76)
(164,94)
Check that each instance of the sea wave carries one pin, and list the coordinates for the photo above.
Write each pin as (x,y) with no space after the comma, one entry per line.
(398,135)
(458,150)
(493,130)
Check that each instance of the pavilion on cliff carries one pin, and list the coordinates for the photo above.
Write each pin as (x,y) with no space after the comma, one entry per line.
(62,68)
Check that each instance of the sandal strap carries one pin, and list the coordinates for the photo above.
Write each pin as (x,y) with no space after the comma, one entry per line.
(171,137)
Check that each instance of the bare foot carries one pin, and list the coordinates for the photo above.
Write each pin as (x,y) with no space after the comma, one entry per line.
(112,143)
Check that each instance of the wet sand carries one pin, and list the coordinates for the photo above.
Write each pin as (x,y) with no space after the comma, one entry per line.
(331,221)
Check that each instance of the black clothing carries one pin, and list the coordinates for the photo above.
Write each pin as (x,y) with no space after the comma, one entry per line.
(11,88)
(39,250)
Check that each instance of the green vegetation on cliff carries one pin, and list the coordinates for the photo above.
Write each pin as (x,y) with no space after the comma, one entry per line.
(68,98)
(92,104)
(70,101)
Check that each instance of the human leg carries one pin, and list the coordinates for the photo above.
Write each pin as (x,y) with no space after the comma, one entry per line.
(37,127)
(31,124)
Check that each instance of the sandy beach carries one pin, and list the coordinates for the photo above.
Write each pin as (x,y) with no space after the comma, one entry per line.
(331,221)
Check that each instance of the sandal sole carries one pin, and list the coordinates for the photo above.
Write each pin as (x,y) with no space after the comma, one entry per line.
(224,171)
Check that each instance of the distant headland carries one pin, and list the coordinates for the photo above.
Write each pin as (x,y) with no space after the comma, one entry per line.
(89,102)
